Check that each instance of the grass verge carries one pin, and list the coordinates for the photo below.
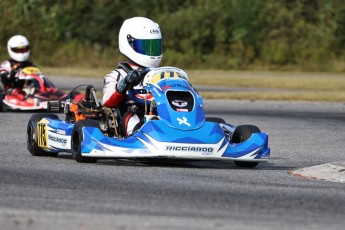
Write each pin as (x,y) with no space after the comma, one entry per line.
(288,86)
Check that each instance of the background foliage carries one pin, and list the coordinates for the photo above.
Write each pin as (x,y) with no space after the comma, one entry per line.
(225,34)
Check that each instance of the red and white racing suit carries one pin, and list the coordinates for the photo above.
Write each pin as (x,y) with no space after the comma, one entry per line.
(113,99)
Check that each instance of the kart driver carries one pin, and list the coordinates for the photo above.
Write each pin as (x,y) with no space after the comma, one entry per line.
(140,40)
(18,48)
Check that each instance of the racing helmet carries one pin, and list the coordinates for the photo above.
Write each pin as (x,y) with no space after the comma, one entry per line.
(140,40)
(18,48)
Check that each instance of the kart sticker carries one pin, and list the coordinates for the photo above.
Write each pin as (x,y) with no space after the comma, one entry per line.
(42,137)
(60,140)
(31,70)
(204,150)
(162,75)
(183,121)
(61,131)
(179,103)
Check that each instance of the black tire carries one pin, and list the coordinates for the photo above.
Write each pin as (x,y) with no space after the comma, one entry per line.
(244,132)
(215,119)
(241,134)
(77,139)
(2,96)
(32,135)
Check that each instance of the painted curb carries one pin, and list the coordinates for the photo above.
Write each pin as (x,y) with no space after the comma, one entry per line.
(334,172)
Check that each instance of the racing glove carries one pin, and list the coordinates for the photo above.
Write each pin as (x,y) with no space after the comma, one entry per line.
(3,80)
(134,77)
(4,74)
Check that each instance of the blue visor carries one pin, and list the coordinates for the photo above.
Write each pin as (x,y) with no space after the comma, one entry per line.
(149,47)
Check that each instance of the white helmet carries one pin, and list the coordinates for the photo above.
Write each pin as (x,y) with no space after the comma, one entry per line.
(18,48)
(140,40)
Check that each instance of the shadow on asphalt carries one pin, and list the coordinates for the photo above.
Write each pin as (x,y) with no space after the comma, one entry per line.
(168,163)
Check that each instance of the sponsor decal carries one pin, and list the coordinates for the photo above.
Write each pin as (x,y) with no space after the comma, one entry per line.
(181,110)
(154,31)
(179,103)
(60,131)
(203,150)
(166,87)
(183,121)
(179,85)
(57,139)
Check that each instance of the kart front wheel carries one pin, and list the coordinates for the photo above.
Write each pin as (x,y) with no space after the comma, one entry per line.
(241,134)
(77,139)
(32,135)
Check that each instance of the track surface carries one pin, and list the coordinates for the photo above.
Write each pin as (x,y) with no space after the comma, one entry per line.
(57,193)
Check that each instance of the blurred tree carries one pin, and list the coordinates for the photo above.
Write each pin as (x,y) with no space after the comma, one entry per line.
(226,34)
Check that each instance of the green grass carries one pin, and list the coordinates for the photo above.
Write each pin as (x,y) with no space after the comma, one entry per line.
(80,72)
(270,80)
(289,86)
(283,96)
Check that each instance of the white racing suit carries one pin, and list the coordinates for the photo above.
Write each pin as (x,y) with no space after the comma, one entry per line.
(113,99)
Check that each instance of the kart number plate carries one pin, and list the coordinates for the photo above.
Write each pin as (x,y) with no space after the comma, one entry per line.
(42,139)
(31,70)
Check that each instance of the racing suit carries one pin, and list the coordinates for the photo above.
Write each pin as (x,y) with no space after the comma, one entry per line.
(113,97)
(8,70)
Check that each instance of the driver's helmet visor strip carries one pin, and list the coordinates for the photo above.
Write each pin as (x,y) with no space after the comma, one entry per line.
(149,47)
(20,49)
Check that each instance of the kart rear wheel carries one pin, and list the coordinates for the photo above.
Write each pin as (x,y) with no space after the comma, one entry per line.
(77,139)
(215,119)
(241,134)
(2,96)
(32,135)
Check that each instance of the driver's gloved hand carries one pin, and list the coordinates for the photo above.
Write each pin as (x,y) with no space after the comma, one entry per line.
(142,71)
(4,75)
(134,77)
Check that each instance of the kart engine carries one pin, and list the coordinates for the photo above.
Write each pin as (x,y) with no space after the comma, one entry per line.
(88,108)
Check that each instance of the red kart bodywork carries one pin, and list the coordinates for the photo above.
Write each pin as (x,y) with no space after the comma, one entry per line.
(36,92)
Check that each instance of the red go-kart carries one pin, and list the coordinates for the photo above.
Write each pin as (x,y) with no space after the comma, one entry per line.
(35,92)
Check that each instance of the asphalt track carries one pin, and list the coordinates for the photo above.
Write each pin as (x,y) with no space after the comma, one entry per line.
(59,193)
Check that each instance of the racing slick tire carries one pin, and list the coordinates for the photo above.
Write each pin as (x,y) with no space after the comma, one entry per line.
(77,139)
(2,96)
(241,134)
(216,120)
(32,135)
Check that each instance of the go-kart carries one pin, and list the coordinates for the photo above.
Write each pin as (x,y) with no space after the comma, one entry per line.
(175,127)
(34,92)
